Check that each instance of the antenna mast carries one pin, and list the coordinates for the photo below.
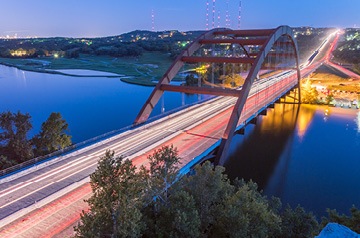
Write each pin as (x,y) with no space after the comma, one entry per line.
(207,15)
(152,20)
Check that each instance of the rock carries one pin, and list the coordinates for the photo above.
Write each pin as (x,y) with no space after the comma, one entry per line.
(334,230)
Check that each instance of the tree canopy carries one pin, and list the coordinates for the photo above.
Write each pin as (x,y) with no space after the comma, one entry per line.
(138,202)
(16,147)
(14,144)
(52,136)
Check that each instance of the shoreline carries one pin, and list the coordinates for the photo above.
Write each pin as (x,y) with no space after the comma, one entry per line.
(123,78)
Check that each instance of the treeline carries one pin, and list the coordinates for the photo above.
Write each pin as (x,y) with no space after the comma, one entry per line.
(129,44)
(348,51)
(150,202)
(15,147)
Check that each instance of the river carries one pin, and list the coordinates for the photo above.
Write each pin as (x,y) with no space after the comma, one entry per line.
(91,105)
(307,155)
(303,155)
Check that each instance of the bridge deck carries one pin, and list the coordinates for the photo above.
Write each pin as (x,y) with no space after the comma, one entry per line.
(192,131)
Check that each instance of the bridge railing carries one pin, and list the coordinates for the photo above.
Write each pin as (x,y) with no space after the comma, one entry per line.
(41,159)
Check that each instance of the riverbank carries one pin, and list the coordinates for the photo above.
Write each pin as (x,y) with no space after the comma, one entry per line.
(141,70)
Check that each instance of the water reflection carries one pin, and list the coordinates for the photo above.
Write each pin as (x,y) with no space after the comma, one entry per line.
(307,155)
(257,153)
(358,121)
(91,105)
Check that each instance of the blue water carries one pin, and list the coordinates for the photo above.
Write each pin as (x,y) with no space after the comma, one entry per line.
(311,157)
(91,106)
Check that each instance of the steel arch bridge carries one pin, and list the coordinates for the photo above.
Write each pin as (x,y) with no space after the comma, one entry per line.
(265,49)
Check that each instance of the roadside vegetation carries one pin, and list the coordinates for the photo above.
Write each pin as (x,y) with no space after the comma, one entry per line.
(326,84)
(15,147)
(347,52)
(139,202)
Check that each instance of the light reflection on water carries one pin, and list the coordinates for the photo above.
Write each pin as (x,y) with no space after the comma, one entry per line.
(294,154)
(358,121)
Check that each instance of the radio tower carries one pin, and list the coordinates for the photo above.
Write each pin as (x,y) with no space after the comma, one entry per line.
(152,20)
(213,14)
(207,15)
(227,17)
(239,17)
(218,19)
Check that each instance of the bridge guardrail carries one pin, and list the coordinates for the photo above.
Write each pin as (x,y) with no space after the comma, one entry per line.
(88,142)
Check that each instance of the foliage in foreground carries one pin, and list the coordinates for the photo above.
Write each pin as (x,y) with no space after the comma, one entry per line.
(139,202)
(15,147)
(352,221)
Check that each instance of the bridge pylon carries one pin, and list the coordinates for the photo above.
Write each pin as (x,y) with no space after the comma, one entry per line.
(234,54)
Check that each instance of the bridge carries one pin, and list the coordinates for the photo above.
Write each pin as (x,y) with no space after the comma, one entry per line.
(48,197)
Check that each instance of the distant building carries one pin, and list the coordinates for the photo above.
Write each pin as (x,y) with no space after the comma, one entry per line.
(19,52)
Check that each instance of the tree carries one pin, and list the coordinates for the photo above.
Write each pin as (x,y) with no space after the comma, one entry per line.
(163,171)
(5,162)
(309,94)
(190,80)
(205,204)
(329,98)
(228,210)
(117,200)
(352,221)
(178,218)
(298,223)
(52,136)
(209,187)
(13,139)
(232,80)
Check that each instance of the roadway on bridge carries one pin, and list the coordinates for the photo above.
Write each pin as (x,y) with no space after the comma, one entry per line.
(192,131)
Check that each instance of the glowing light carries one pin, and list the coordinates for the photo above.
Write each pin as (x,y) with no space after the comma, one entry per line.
(56,55)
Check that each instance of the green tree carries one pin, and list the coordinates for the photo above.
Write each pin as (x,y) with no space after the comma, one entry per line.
(298,223)
(209,186)
(14,144)
(352,221)
(5,162)
(163,171)
(179,218)
(117,200)
(52,136)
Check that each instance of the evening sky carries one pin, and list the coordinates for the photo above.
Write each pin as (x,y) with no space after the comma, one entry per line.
(89,18)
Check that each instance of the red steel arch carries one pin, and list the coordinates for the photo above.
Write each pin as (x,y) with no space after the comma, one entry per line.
(266,38)
(244,93)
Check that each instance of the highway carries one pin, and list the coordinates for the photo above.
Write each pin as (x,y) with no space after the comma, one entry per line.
(191,130)
(28,189)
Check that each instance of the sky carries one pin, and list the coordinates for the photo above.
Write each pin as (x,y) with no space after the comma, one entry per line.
(96,18)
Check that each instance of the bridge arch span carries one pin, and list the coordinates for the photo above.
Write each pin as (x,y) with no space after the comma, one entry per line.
(265,39)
